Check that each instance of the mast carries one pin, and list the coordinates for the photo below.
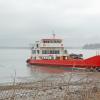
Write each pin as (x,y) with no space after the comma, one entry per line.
(54,36)
(53,33)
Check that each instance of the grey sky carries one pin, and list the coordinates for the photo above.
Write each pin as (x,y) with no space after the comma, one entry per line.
(23,21)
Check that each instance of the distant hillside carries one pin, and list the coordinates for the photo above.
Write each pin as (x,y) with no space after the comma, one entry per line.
(71,47)
(92,46)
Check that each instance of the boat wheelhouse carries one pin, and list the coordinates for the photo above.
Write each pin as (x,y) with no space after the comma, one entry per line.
(51,48)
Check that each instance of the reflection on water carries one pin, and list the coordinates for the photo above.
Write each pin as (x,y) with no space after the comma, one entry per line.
(50,69)
(41,72)
(46,69)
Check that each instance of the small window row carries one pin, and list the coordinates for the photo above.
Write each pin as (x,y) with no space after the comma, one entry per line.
(52,41)
(50,52)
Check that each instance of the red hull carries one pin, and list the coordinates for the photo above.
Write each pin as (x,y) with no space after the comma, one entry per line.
(92,62)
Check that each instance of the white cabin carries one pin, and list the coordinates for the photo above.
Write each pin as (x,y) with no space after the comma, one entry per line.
(51,48)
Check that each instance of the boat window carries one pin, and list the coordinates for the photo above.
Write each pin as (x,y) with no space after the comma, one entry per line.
(53,51)
(58,41)
(47,41)
(50,51)
(44,41)
(33,51)
(38,52)
(46,52)
(54,41)
(51,41)
(42,51)
(57,52)
(37,45)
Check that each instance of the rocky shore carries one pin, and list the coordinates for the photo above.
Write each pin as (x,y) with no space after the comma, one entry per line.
(71,86)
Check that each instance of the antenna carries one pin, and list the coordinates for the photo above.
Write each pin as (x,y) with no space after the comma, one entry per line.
(53,33)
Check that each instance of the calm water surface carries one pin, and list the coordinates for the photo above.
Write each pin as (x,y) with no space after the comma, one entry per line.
(14,61)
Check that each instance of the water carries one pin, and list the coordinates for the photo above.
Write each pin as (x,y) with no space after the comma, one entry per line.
(14,61)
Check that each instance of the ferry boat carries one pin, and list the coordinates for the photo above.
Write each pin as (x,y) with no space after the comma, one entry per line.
(51,52)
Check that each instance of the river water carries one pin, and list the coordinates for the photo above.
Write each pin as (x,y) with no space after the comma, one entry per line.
(13,64)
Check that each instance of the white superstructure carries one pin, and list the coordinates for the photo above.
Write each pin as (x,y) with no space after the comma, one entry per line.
(51,48)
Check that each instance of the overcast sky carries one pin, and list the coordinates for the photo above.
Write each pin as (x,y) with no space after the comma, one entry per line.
(24,21)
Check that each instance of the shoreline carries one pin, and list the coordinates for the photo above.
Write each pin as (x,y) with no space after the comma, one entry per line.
(60,86)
